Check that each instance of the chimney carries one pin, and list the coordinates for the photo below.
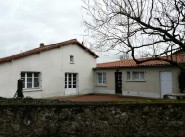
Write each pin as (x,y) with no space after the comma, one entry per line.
(41,45)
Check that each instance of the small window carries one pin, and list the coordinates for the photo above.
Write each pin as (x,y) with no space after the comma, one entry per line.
(128,76)
(138,75)
(101,78)
(71,59)
(135,76)
(30,79)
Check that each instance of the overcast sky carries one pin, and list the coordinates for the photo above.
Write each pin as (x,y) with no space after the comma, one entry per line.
(24,24)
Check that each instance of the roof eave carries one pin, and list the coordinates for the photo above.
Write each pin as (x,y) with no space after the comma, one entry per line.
(120,67)
(45,48)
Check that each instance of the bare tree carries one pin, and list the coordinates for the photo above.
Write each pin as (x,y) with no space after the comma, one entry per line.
(154,27)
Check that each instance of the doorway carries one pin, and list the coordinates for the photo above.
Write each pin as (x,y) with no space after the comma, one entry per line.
(70,83)
(165,83)
(118,82)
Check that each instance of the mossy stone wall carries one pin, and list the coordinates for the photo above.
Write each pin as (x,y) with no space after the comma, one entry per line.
(92,120)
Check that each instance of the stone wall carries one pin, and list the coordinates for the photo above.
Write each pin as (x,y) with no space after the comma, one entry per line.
(92,120)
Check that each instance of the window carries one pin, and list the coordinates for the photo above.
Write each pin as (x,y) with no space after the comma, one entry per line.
(71,59)
(138,75)
(135,76)
(30,79)
(70,80)
(128,75)
(101,78)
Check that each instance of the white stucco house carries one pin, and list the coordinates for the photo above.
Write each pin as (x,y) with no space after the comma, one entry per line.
(69,68)
(50,70)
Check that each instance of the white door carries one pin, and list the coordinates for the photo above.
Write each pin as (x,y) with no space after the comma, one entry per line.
(166,83)
(70,83)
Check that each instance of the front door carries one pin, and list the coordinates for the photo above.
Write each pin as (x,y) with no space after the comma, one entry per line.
(166,83)
(70,83)
(118,82)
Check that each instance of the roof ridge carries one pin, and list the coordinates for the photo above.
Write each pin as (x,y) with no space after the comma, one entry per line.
(46,47)
(131,63)
(116,61)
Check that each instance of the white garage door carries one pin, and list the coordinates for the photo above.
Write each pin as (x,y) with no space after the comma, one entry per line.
(166,83)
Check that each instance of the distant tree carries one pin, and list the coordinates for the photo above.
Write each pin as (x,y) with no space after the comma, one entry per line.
(155,28)
(124,56)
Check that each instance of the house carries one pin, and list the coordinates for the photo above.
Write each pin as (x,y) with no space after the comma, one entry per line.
(69,68)
(149,79)
(50,70)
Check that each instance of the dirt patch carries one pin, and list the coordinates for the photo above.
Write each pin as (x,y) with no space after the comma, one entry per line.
(92,99)
(111,98)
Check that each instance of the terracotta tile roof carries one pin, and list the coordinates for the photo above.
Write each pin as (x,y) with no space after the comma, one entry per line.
(45,48)
(132,63)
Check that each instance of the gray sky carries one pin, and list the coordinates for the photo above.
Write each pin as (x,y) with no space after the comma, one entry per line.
(24,24)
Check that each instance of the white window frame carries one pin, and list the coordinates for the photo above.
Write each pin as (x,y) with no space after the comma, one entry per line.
(71,59)
(102,80)
(73,83)
(130,76)
(32,81)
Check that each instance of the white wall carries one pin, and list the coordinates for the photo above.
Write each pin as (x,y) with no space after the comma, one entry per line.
(52,64)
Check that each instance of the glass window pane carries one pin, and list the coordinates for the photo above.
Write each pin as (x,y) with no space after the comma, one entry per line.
(29,85)
(128,76)
(104,75)
(69,86)
(74,77)
(29,74)
(104,81)
(74,86)
(22,74)
(65,84)
(135,75)
(71,58)
(29,80)
(23,79)
(100,80)
(36,82)
(142,75)
(36,74)
(99,74)
(23,85)
(69,78)
(104,78)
